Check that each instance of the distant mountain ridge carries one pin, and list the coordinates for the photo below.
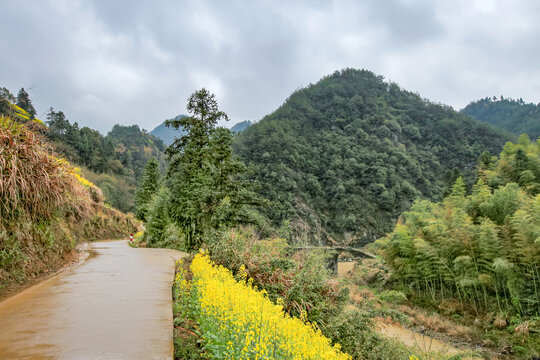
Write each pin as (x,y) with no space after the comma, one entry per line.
(168,134)
(515,116)
(241,126)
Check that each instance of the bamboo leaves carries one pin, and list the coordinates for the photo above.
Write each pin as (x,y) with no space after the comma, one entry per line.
(481,248)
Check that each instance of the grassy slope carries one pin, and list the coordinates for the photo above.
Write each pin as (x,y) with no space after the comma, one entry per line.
(46,206)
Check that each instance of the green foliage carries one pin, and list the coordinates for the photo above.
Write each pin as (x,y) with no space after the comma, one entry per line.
(7,95)
(241,126)
(147,188)
(114,162)
(481,249)
(515,116)
(393,296)
(519,163)
(24,102)
(354,331)
(44,210)
(157,220)
(301,278)
(343,158)
(207,191)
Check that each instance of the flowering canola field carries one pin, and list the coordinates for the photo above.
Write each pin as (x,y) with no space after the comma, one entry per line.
(236,321)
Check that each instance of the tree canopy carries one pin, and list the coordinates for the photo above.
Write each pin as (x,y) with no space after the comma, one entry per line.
(147,188)
(207,191)
(343,158)
(513,115)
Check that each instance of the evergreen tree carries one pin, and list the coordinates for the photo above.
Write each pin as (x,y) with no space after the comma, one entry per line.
(58,124)
(24,102)
(149,186)
(207,192)
(7,95)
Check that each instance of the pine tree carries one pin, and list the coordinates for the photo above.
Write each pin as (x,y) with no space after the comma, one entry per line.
(24,102)
(207,192)
(148,187)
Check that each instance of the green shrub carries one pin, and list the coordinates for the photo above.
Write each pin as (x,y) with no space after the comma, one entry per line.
(393,296)
(353,330)
(301,278)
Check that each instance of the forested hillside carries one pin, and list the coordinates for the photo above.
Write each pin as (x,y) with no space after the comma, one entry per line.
(114,162)
(241,126)
(515,116)
(345,157)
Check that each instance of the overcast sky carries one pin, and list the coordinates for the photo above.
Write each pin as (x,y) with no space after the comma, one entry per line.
(128,61)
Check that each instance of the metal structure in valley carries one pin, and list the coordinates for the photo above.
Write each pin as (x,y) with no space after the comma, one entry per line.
(333,261)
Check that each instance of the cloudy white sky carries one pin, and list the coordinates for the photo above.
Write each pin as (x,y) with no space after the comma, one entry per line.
(132,61)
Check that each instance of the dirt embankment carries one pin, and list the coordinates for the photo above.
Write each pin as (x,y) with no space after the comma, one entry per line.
(71,259)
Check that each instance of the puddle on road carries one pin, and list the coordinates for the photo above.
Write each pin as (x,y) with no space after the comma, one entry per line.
(114,305)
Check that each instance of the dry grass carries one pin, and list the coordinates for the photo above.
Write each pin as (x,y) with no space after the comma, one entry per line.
(45,208)
(32,178)
(437,323)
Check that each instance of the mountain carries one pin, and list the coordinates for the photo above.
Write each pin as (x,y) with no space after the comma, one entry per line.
(135,147)
(515,116)
(343,158)
(167,134)
(241,126)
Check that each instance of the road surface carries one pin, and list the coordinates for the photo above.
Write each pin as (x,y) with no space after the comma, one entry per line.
(115,305)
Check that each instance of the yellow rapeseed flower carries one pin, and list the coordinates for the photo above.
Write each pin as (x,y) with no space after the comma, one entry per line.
(239,322)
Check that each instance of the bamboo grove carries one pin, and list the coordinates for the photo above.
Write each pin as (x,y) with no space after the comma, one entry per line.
(482,249)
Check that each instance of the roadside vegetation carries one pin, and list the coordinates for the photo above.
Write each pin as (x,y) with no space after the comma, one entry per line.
(236,320)
(46,205)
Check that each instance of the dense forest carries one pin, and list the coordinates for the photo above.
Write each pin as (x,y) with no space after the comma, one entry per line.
(515,116)
(343,158)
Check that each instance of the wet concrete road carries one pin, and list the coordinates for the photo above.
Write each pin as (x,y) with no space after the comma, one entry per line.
(116,305)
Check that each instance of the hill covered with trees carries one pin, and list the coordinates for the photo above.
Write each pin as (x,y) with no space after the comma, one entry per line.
(114,162)
(343,158)
(241,126)
(515,116)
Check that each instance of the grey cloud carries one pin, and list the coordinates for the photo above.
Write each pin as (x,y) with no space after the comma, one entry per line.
(407,22)
(106,62)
